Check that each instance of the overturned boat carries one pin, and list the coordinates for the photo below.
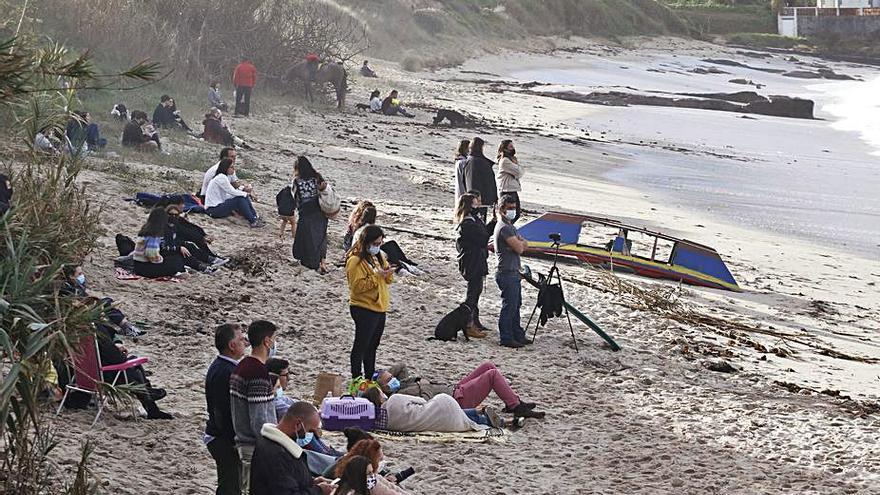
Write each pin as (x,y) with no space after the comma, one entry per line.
(622,247)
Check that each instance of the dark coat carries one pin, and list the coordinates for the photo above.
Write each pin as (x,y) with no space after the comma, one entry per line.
(133,135)
(479,176)
(217,398)
(275,471)
(473,248)
(164,117)
(215,132)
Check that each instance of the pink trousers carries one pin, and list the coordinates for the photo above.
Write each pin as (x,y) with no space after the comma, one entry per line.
(474,388)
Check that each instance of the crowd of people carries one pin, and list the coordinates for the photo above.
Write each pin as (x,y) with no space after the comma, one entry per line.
(262,440)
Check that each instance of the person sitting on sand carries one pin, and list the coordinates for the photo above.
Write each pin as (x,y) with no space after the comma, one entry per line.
(367,457)
(441,413)
(167,116)
(148,260)
(222,199)
(391,105)
(112,351)
(469,392)
(173,245)
(5,194)
(74,285)
(280,464)
(216,131)
(214,97)
(82,134)
(232,154)
(43,140)
(366,71)
(191,236)
(136,133)
(369,274)
(364,214)
(310,240)
(375,101)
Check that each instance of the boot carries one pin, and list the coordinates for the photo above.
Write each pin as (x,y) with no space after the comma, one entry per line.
(528,406)
(153,411)
(478,323)
(474,333)
(523,411)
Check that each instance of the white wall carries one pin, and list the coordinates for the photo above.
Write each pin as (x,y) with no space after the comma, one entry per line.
(843,3)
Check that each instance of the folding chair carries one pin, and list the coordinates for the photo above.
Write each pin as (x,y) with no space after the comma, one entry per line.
(88,371)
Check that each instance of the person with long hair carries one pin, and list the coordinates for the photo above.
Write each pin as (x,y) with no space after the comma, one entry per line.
(367,456)
(478,174)
(148,260)
(363,214)
(353,479)
(509,173)
(310,240)
(459,161)
(369,274)
(222,199)
(472,245)
(174,243)
(376,101)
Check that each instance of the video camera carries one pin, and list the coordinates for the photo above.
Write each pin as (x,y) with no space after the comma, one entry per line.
(556,238)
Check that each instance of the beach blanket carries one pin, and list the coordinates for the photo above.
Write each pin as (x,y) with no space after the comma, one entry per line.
(483,436)
(123,274)
(191,204)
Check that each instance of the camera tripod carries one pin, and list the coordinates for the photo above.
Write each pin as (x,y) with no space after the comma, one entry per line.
(544,282)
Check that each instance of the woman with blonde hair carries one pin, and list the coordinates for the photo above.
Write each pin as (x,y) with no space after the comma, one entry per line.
(472,245)
(369,274)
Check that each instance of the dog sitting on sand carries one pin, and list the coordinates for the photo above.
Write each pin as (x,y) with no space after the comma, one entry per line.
(454,118)
(458,320)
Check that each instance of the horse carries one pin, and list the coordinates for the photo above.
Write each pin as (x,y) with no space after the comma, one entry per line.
(332,73)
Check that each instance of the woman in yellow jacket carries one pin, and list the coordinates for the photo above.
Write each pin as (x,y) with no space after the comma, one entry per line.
(369,275)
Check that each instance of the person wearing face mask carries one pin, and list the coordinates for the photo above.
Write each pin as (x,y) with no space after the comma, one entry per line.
(222,199)
(5,194)
(367,455)
(74,285)
(369,274)
(280,464)
(472,245)
(509,245)
(252,394)
(231,345)
(509,174)
(173,245)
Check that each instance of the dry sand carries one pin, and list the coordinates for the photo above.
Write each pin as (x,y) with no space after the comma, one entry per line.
(648,419)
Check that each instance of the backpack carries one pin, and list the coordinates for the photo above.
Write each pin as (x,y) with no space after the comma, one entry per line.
(285,202)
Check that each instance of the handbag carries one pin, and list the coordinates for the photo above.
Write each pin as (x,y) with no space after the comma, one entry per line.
(329,201)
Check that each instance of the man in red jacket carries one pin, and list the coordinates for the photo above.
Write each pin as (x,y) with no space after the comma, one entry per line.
(244,78)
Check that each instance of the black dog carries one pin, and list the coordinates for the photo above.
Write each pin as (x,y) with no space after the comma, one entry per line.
(458,320)
(363,107)
(454,118)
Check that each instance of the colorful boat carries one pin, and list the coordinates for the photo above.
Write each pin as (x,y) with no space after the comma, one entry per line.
(628,249)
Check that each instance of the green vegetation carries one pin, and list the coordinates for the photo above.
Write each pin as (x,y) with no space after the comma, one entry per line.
(765,40)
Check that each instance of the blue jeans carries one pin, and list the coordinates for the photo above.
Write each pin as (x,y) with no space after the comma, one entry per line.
(240,204)
(509,325)
(480,419)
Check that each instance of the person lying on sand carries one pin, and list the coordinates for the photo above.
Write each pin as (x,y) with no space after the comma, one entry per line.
(441,413)
(74,285)
(391,105)
(469,392)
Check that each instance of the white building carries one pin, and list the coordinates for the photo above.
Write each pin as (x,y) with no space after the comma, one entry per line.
(841,17)
(846,4)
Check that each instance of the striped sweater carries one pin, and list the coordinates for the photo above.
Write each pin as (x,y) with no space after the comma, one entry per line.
(146,249)
(251,399)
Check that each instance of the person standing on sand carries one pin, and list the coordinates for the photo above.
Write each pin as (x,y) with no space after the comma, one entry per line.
(472,245)
(478,174)
(244,78)
(369,276)
(509,174)
(459,161)
(310,223)
(219,432)
(252,394)
(509,245)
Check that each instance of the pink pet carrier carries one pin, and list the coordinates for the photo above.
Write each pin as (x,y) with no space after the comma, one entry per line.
(338,413)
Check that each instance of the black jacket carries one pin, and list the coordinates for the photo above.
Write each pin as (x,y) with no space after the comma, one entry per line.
(132,135)
(473,248)
(479,176)
(164,117)
(217,397)
(275,471)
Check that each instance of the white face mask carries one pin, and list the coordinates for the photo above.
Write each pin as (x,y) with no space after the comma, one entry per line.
(510,214)
(373,249)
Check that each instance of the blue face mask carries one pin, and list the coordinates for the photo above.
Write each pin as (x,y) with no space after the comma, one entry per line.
(81,279)
(393,384)
(279,393)
(306,439)
(273,350)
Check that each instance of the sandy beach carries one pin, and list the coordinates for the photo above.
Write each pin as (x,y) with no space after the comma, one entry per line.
(799,416)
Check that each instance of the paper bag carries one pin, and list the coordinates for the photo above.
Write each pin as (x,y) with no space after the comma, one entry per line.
(328,382)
